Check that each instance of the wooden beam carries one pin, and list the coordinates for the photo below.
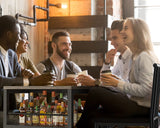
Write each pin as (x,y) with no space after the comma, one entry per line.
(89,46)
(86,47)
(77,22)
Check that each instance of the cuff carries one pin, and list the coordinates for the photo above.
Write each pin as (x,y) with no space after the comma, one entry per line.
(105,67)
(25,82)
(120,85)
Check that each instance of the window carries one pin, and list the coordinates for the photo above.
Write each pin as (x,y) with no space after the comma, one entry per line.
(149,10)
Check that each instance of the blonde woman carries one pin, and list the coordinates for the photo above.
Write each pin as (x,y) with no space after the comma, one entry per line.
(136,94)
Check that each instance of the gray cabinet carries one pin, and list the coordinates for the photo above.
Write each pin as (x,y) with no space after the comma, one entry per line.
(10,119)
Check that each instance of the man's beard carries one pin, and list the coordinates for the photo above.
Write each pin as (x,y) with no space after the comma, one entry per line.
(61,54)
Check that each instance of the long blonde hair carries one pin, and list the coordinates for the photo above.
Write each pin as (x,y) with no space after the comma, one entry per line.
(142,39)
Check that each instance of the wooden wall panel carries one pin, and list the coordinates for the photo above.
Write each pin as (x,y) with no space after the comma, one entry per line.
(77,22)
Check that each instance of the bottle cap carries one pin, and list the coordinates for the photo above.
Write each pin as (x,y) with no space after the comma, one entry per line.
(44,93)
(53,94)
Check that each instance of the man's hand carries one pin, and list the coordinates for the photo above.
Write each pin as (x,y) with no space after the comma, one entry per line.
(86,80)
(110,56)
(69,81)
(44,79)
(27,73)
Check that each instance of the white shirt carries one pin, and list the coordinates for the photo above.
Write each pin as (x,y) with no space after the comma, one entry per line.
(122,66)
(139,86)
(5,60)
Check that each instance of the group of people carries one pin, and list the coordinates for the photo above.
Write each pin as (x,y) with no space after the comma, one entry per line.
(125,93)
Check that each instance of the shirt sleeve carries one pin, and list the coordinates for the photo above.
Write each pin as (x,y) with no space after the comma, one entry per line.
(41,67)
(143,75)
(32,67)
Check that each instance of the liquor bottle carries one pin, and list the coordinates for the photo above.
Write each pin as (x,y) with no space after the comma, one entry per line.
(37,103)
(31,102)
(55,116)
(28,116)
(60,98)
(49,117)
(44,97)
(53,100)
(75,109)
(80,109)
(22,110)
(22,97)
(62,112)
(66,113)
(35,117)
(43,118)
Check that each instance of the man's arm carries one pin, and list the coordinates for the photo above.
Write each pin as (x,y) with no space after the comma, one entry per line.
(10,81)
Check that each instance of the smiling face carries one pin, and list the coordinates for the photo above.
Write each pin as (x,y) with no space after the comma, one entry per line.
(63,47)
(22,44)
(127,33)
(117,40)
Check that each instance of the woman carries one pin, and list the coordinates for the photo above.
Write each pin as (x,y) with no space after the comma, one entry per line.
(23,59)
(136,94)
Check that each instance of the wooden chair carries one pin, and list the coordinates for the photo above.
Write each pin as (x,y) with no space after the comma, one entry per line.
(152,121)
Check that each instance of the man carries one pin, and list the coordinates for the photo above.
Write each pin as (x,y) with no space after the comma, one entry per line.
(122,67)
(58,62)
(10,71)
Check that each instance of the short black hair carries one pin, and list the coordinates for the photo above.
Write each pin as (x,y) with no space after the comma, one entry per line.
(117,24)
(7,23)
(58,34)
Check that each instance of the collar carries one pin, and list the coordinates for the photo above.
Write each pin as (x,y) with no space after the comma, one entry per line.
(126,54)
(3,51)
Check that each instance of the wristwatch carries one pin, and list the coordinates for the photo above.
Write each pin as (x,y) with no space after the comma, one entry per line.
(97,82)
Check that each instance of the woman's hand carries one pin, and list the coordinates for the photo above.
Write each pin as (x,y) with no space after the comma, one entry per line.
(86,80)
(109,80)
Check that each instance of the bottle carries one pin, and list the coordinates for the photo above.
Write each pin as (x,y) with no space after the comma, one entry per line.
(75,115)
(49,117)
(55,116)
(31,102)
(62,112)
(66,113)
(28,116)
(35,117)
(60,98)
(37,103)
(22,98)
(44,97)
(53,100)
(43,118)
(80,109)
(22,110)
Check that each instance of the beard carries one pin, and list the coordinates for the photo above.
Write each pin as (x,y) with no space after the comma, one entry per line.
(60,53)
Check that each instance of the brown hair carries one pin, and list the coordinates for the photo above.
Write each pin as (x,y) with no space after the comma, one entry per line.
(58,34)
(117,24)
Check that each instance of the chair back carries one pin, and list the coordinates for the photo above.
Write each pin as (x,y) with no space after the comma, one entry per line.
(155,97)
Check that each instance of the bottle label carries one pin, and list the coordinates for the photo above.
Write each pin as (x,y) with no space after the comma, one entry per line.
(21,119)
(28,120)
(79,115)
(61,120)
(35,119)
(55,120)
(42,118)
